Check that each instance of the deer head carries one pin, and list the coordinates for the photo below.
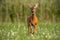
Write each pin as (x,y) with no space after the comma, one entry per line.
(32,20)
(33,8)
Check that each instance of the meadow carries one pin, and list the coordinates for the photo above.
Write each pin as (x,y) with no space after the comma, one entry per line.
(18,31)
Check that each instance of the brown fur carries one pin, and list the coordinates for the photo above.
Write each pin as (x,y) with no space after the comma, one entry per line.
(32,21)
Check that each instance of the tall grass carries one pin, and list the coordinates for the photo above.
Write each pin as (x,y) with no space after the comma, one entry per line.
(18,31)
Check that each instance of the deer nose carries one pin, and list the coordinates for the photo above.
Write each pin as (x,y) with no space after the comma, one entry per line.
(32,11)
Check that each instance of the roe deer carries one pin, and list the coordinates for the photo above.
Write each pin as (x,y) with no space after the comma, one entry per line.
(32,20)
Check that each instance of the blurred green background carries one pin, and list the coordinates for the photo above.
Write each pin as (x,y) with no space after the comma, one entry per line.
(13,15)
(17,10)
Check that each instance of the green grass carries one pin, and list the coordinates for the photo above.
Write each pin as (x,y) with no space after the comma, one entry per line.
(18,31)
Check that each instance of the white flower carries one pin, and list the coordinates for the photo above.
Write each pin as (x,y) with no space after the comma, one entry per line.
(8,34)
(46,36)
(12,33)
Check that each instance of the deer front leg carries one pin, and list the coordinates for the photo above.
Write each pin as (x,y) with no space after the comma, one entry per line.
(34,30)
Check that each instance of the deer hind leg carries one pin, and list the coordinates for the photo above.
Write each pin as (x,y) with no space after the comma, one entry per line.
(29,29)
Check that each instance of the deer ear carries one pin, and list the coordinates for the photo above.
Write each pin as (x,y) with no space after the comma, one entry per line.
(36,5)
(30,5)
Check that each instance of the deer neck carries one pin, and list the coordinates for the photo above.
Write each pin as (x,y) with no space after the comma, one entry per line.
(33,15)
